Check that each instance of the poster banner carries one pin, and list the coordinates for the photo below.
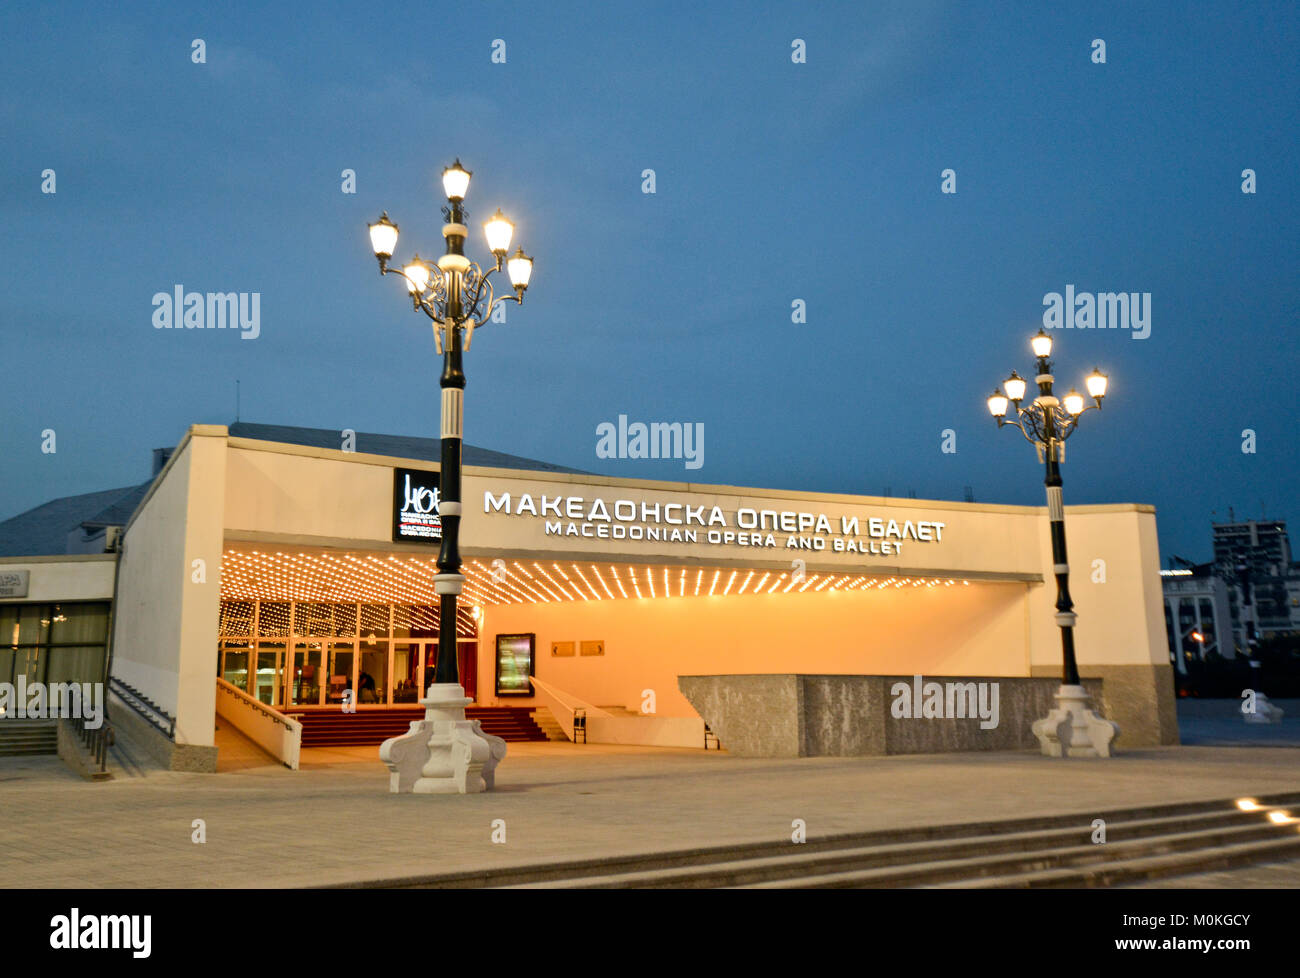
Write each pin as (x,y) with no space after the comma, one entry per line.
(515,663)
(415,506)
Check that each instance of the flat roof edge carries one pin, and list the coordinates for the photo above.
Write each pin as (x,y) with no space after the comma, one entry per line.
(369,458)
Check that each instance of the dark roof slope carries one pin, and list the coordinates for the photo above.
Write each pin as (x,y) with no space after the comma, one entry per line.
(44,530)
(396,446)
(120,510)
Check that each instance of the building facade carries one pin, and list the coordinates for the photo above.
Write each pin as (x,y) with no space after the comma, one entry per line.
(1263,583)
(1198,622)
(301,575)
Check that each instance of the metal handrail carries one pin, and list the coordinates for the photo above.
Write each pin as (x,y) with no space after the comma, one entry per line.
(232,690)
(709,735)
(95,740)
(129,693)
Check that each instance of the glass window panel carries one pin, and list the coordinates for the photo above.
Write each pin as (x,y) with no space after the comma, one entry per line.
(372,682)
(270,662)
(30,627)
(401,621)
(342,660)
(79,624)
(83,664)
(8,624)
(235,668)
(415,621)
(406,672)
(31,663)
(236,618)
(345,621)
(312,618)
(230,645)
(465,626)
(273,619)
(305,686)
(374,620)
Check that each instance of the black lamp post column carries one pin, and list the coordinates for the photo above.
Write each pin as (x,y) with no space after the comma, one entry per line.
(1065,617)
(446,752)
(449,579)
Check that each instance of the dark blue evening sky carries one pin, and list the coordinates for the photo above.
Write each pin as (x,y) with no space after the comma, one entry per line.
(775,181)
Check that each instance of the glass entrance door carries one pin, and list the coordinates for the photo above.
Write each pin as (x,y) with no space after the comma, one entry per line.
(305,687)
(340,673)
(372,680)
(407,679)
(268,681)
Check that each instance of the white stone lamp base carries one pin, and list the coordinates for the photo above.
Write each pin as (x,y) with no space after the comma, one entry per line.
(444,753)
(1073,729)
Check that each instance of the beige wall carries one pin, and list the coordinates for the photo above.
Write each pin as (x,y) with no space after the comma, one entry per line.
(165,626)
(978,629)
(216,489)
(1001,624)
(978,539)
(293,495)
(73,578)
(328,498)
(1118,601)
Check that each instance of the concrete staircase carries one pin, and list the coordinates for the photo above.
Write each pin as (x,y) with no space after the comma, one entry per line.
(334,728)
(20,737)
(618,711)
(1047,851)
(547,724)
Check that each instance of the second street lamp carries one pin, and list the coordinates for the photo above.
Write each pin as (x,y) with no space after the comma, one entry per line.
(1046,422)
(458,296)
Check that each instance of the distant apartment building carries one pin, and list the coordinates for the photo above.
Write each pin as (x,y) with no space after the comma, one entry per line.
(1249,592)
(1254,559)
(1197,616)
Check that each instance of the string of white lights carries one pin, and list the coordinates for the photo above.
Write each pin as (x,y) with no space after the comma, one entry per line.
(330,578)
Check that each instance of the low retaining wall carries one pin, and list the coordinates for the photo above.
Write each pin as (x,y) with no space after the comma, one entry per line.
(648,731)
(846,716)
(155,743)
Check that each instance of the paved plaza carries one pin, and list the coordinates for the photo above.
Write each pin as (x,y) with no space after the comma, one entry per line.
(334,821)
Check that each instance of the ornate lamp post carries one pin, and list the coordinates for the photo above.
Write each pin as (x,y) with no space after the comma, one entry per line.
(458,296)
(1046,422)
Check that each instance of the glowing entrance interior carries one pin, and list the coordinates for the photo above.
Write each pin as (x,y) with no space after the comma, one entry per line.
(322,575)
(302,627)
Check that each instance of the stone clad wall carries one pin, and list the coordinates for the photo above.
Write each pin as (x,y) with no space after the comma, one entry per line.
(848,716)
(840,716)
(753,716)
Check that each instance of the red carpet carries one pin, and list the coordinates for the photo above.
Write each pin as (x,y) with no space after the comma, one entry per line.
(334,728)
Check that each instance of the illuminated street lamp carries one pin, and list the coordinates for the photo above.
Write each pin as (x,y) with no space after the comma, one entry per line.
(1046,422)
(458,296)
